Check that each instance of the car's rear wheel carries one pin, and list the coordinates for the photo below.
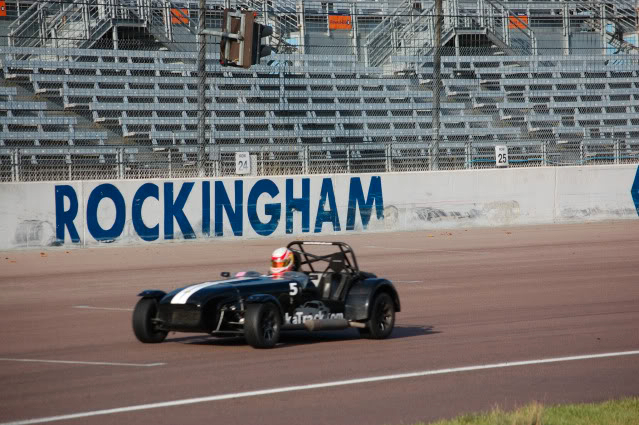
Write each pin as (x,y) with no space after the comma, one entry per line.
(382,319)
(143,327)
(262,325)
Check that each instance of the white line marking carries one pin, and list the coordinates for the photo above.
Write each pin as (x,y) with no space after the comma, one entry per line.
(82,363)
(315,386)
(90,307)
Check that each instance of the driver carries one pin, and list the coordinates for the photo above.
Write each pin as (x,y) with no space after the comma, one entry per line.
(282,261)
(283,266)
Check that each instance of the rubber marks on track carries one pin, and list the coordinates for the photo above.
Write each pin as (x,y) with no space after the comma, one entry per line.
(318,386)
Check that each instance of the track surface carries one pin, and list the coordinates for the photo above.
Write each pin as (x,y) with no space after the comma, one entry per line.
(470,297)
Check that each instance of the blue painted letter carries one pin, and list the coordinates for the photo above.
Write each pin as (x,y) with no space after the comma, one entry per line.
(222,202)
(302,204)
(356,197)
(273,210)
(330,215)
(102,191)
(206,208)
(65,218)
(147,190)
(174,209)
(634,191)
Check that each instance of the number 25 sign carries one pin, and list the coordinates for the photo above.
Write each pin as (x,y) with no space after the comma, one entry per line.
(501,156)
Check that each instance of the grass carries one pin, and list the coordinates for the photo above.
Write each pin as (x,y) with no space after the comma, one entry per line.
(616,412)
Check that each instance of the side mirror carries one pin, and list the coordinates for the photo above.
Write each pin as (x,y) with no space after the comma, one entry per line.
(225,274)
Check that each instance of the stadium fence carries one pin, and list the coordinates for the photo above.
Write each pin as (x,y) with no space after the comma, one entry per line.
(110,89)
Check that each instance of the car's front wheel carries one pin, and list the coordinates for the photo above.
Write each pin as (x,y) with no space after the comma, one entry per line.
(143,327)
(382,319)
(262,324)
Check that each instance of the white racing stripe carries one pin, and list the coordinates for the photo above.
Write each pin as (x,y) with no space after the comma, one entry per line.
(317,386)
(183,296)
(6,359)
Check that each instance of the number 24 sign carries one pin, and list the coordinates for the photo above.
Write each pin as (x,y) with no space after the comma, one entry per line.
(242,163)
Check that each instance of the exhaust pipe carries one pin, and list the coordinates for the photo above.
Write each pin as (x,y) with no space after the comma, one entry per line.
(331,325)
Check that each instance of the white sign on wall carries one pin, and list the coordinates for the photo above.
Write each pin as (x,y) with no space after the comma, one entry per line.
(242,163)
(501,156)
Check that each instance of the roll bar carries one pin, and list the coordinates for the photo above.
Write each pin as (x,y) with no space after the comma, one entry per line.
(343,257)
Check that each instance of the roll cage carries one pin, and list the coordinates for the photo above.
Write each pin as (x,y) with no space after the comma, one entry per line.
(340,260)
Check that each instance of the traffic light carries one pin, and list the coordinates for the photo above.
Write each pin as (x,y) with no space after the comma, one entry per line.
(240,43)
(259,50)
(232,38)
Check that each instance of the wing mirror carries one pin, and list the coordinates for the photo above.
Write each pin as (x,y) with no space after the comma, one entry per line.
(225,274)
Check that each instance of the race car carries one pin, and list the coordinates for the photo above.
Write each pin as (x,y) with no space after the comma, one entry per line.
(327,291)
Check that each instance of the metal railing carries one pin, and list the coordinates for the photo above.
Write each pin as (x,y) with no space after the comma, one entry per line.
(81,23)
(143,162)
(411,31)
(611,19)
(170,24)
(282,16)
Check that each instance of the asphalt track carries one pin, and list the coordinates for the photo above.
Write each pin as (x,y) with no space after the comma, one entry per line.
(561,300)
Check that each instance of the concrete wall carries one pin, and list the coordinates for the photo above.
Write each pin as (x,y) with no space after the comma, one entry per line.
(142,212)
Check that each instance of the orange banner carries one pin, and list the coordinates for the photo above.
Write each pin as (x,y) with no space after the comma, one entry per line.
(3,8)
(179,18)
(340,22)
(520,23)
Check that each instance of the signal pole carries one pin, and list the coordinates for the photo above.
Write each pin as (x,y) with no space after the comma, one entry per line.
(236,49)
(201,98)
(437,84)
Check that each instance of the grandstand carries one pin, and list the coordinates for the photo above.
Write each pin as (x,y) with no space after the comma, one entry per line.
(109,88)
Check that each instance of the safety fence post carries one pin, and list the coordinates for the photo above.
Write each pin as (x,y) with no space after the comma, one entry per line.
(15,165)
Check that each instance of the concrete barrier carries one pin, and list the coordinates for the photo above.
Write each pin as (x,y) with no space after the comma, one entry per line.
(140,212)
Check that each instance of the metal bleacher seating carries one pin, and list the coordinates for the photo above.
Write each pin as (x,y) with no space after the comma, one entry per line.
(150,98)
(557,100)
(370,108)
(26,123)
(38,137)
(158,101)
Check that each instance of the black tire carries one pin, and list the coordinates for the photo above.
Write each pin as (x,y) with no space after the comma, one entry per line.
(262,325)
(143,328)
(382,320)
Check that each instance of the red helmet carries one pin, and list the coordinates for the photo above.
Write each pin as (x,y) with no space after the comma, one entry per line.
(282,261)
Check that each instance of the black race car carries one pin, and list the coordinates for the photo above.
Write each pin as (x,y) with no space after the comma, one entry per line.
(327,292)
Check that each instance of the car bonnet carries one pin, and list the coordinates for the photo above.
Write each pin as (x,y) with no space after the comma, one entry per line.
(189,294)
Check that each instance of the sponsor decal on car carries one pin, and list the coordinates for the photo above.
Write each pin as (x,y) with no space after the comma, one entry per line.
(299,317)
